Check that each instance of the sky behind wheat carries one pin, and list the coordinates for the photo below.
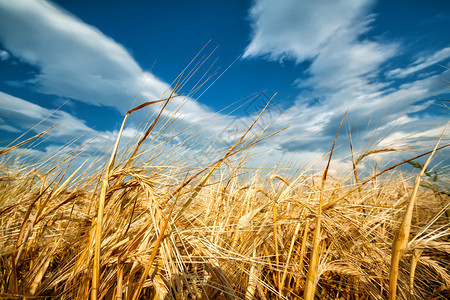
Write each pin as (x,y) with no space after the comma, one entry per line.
(386,62)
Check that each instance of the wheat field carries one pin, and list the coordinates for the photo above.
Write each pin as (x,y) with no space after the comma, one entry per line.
(133,230)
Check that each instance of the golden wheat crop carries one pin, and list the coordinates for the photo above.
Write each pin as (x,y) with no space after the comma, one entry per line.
(134,230)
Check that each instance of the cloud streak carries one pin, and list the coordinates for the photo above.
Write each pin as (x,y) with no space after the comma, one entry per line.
(420,64)
(17,115)
(4,55)
(346,68)
(345,72)
(298,29)
(75,60)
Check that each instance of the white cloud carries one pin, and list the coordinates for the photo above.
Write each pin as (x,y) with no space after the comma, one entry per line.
(343,74)
(402,139)
(299,29)
(4,55)
(9,128)
(420,64)
(17,115)
(75,59)
(78,61)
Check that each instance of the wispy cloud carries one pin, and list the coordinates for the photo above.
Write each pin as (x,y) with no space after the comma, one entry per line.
(75,60)
(299,29)
(17,115)
(4,55)
(345,69)
(420,64)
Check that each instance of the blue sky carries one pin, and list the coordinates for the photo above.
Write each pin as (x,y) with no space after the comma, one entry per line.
(387,62)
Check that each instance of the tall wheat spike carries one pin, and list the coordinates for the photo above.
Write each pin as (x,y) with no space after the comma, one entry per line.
(311,277)
(400,244)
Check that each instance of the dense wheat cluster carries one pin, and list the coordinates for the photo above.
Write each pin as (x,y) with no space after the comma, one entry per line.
(138,231)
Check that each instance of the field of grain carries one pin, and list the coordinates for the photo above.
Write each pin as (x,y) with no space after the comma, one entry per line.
(134,230)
